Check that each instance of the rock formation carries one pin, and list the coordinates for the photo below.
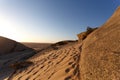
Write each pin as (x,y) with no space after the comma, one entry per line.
(100,57)
(10,53)
(9,46)
(83,35)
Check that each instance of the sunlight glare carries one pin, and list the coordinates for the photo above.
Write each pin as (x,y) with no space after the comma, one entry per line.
(9,29)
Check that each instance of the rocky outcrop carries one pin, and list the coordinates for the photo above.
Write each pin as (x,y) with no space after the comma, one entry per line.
(100,57)
(8,46)
(83,35)
(10,53)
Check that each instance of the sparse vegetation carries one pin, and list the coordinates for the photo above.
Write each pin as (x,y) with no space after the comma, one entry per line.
(83,35)
(63,43)
(57,45)
(89,30)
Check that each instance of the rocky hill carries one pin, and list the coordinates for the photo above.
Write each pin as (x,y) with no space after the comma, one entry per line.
(10,53)
(100,56)
(8,46)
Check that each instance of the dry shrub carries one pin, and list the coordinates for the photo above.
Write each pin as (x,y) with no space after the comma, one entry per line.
(83,35)
(89,30)
(59,44)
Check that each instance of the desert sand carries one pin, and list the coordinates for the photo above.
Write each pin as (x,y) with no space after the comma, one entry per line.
(12,52)
(61,64)
(36,46)
(97,57)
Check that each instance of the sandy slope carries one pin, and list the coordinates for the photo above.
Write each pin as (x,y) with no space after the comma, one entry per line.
(8,59)
(36,46)
(62,64)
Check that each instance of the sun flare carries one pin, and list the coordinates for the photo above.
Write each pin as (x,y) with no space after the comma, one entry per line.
(9,29)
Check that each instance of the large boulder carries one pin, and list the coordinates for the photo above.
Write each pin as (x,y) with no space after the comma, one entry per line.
(100,57)
(8,46)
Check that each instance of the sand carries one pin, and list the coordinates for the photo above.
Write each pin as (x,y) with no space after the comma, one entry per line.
(62,64)
(10,58)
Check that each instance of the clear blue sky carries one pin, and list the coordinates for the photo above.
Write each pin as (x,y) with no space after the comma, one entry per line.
(52,20)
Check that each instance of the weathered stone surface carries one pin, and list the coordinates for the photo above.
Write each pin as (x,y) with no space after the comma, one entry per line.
(8,46)
(100,57)
(83,35)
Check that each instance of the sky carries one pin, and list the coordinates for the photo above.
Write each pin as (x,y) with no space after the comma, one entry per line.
(50,21)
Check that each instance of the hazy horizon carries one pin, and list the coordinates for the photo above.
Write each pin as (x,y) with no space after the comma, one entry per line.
(52,20)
